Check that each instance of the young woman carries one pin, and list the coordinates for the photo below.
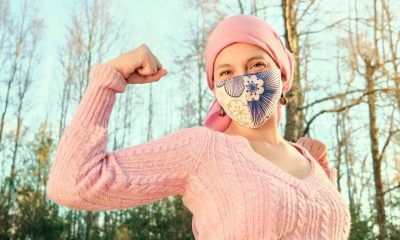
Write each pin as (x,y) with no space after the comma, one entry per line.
(238,176)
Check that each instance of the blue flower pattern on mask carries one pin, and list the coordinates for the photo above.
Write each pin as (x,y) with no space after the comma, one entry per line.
(261,92)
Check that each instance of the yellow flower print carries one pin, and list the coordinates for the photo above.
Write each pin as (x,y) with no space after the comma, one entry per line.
(240,110)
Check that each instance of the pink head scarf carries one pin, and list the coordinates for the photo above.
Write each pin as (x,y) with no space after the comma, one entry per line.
(245,29)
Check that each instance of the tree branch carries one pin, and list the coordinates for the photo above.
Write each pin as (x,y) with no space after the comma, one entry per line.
(386,90)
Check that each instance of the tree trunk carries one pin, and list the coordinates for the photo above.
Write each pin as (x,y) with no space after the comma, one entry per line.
(376,158)
(294,117)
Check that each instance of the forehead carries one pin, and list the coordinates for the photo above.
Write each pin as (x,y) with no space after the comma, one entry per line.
(238,52)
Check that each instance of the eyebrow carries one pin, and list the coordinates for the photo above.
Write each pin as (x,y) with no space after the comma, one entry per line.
(248,60)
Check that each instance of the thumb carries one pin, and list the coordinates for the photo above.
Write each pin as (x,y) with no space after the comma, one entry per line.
(157,76)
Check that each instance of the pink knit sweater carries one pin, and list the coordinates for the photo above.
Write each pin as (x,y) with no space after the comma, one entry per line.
(233,192)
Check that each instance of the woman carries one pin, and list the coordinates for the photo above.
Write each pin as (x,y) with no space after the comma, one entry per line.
(237,175)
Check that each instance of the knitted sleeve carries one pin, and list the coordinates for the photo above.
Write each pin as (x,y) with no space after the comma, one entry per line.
(85,176)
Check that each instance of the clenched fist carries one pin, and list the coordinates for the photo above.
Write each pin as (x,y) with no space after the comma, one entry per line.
(138,66)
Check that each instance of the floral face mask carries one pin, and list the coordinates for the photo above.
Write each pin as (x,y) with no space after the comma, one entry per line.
(250,99)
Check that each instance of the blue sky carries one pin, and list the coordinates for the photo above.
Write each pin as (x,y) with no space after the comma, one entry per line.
(153,21)
(163,26)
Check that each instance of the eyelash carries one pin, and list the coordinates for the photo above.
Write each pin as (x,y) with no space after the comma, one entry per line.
(222,73)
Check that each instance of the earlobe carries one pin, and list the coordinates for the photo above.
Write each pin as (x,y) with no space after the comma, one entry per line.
(283,100)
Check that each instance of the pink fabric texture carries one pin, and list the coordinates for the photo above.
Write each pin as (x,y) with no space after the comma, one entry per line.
(245,29)
(233,192)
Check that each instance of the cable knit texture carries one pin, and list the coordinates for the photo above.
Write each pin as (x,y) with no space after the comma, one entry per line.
(232,191)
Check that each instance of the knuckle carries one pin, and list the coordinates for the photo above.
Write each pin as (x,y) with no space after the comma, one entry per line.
(143,49)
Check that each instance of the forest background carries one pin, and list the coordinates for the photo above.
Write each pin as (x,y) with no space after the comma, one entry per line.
(346,93)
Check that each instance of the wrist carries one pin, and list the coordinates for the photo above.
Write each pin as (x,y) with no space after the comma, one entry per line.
(114,66)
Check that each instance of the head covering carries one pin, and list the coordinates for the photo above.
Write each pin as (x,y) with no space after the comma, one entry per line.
(245,29)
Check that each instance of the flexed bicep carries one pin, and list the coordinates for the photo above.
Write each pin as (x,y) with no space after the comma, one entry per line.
(127,177)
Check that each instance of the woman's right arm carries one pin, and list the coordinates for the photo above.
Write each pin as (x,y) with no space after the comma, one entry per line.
(85,176)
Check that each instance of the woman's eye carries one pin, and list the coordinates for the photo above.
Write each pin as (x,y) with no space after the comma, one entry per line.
(224,73)
(259,64)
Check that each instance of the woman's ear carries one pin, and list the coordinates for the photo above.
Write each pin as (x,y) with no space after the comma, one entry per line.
(213,88)
(283,78)
(283,85)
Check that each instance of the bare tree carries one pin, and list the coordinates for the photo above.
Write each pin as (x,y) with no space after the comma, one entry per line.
(207,15)
(13,52)
(91,34)
(292,19)
(388,32)
(369,63)
(25,53)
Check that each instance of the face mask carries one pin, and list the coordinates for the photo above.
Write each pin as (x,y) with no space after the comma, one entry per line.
(250,99)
